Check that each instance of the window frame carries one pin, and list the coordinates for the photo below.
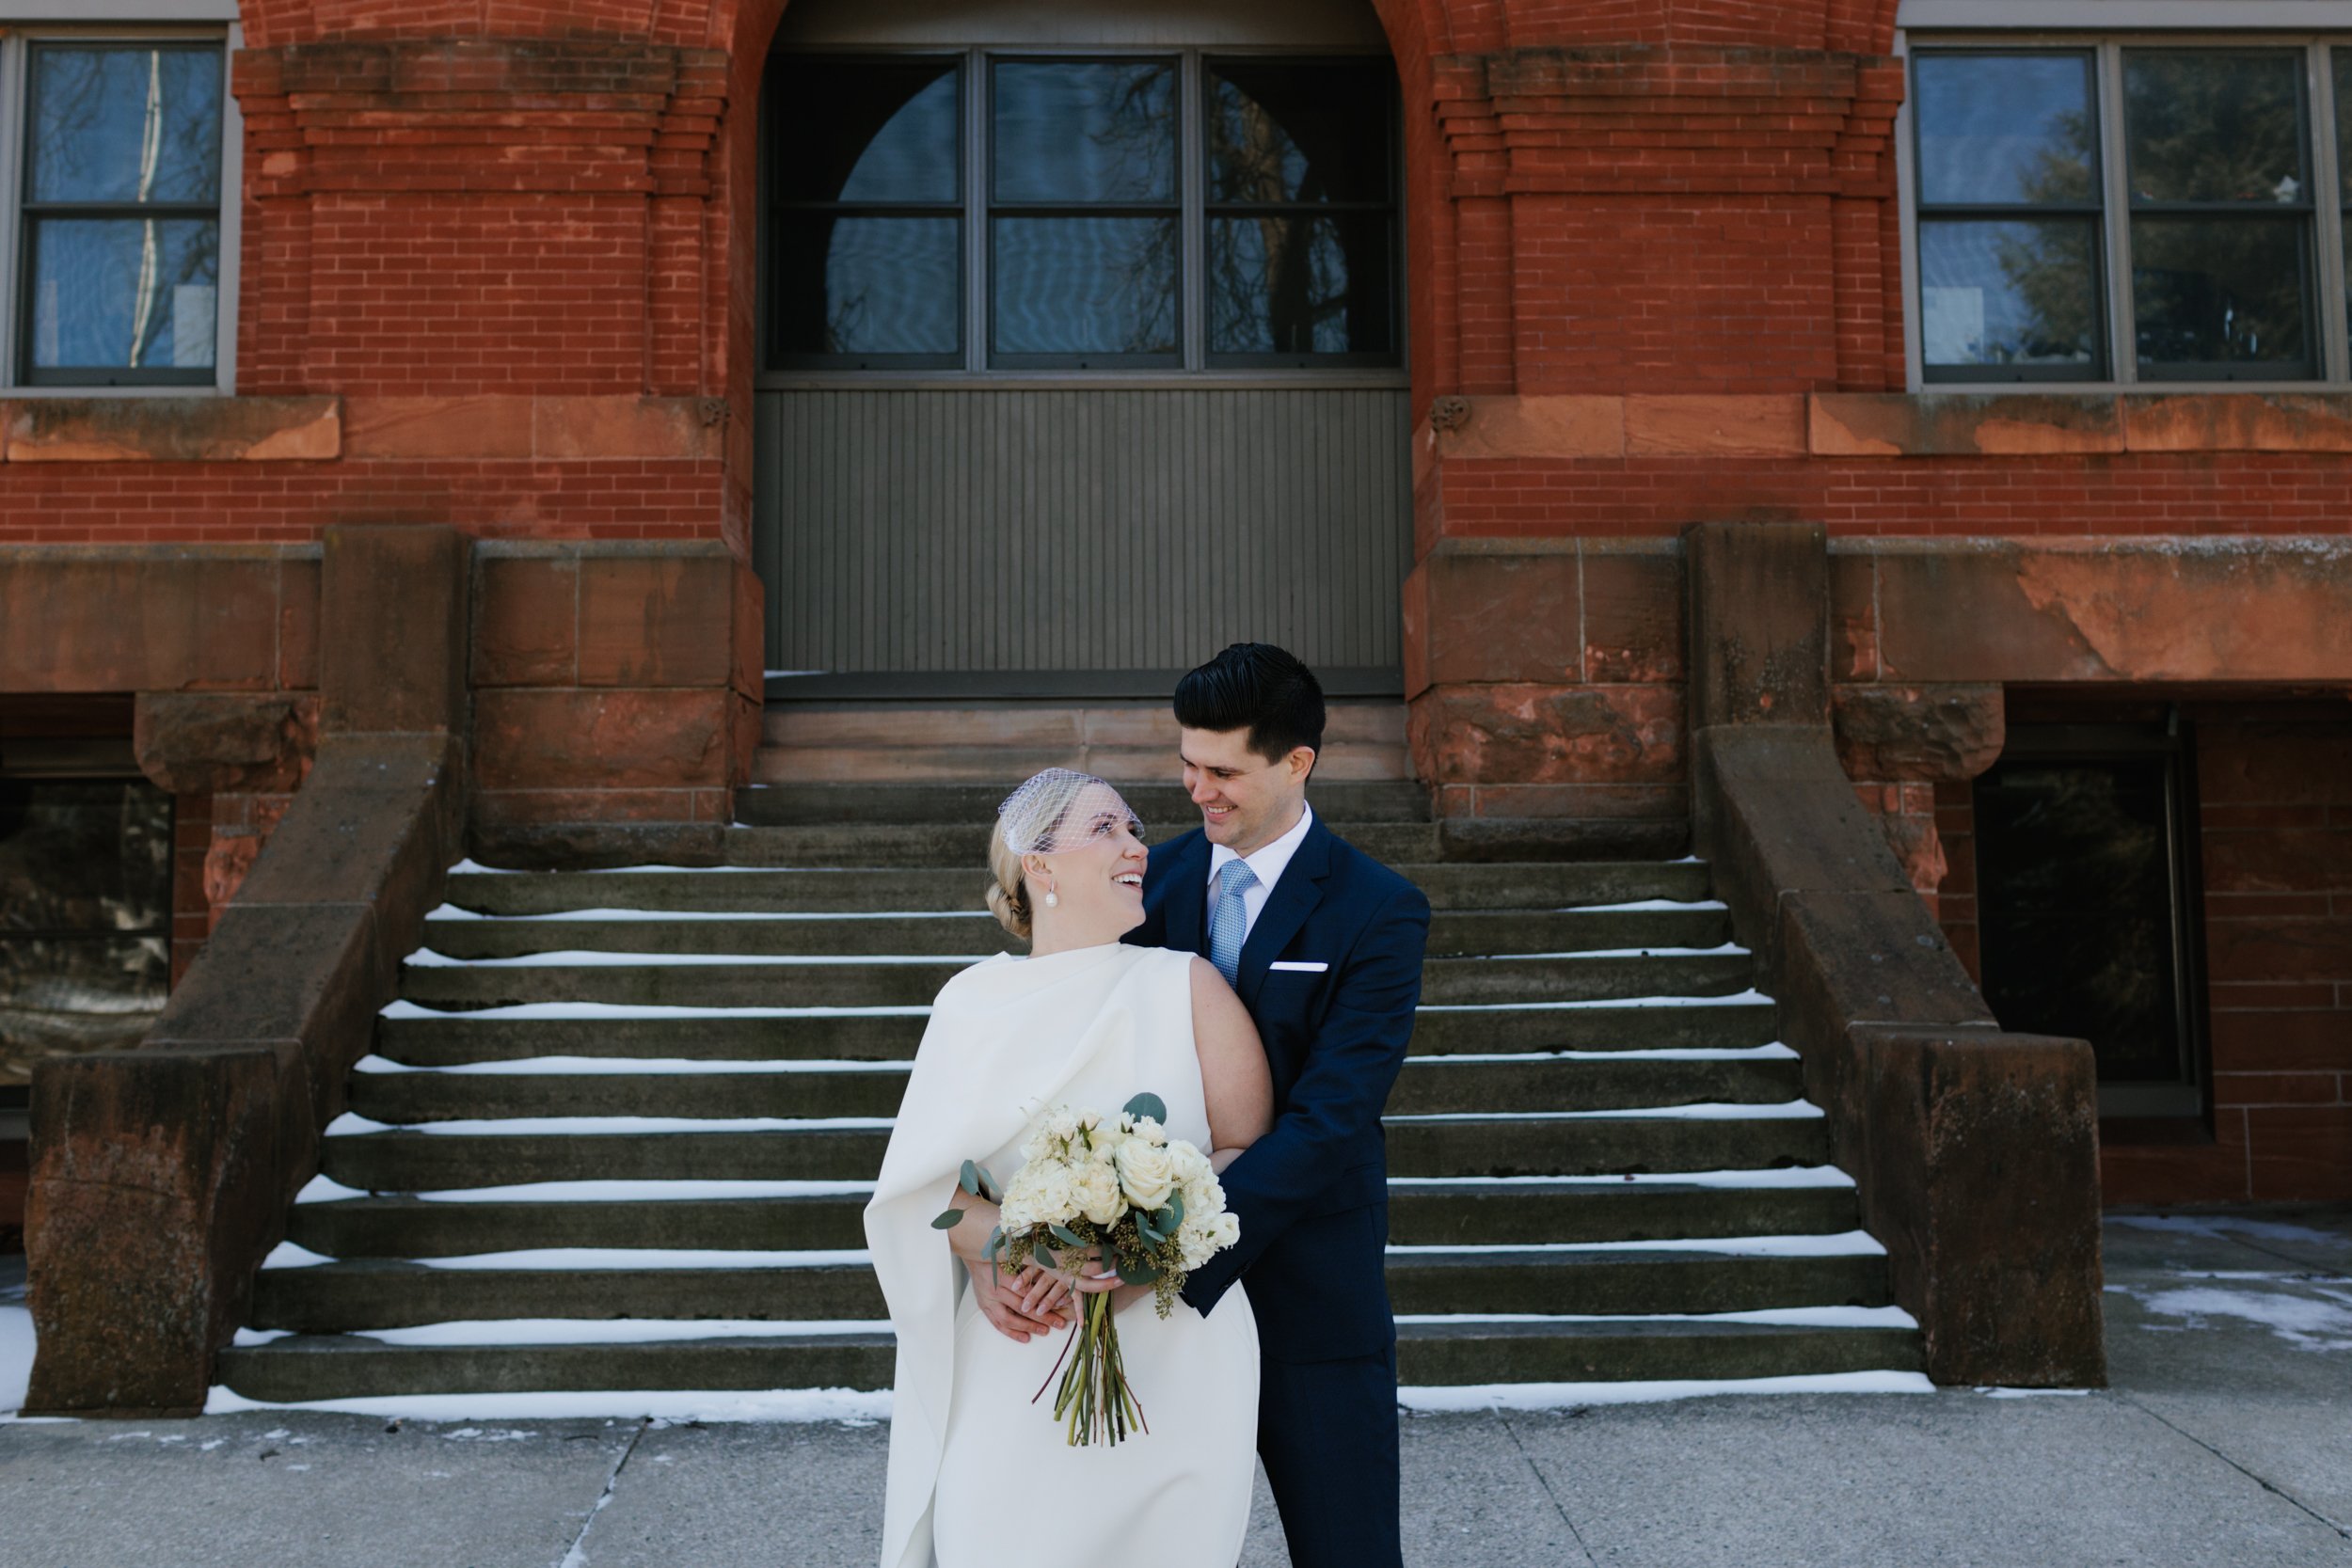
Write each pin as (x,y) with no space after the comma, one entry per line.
(2326,314)
(1193,366)
(177,23)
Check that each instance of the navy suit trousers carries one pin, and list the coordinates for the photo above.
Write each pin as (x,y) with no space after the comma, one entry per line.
(1328,1436)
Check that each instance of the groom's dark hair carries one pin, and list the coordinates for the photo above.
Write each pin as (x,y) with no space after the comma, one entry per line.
(1259,687)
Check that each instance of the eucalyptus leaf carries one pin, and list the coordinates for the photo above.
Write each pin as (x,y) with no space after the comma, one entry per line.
(1068,1235)
(970,1180)
(1148,1104)
(989,1189)
(1176,1208)
(1043,1258)
(948,1220)
(1136,1273)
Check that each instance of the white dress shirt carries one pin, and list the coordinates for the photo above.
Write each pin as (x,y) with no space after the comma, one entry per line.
(1265,863)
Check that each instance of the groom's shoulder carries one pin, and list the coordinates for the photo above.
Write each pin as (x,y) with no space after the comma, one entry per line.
(1170,850)
(1368,881)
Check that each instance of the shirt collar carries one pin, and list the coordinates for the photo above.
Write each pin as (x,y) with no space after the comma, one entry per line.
(1266,862)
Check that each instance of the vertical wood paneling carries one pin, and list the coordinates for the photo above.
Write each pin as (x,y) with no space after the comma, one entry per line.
(1056,529)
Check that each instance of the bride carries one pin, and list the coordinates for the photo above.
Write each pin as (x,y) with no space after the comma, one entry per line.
(976,1470)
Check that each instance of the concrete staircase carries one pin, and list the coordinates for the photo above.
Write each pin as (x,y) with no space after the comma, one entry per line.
(619,1129)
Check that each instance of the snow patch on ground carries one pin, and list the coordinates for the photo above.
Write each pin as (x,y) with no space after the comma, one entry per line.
(2310,1324)
(2226,1224)
(1559,1396)
(16,1357)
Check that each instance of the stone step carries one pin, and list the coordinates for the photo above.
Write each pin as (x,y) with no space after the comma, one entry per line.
(1074,725)
(1451,934)
(873,983)
(1165,808)
(1428,1354)
(1506,885)
(1000,768)
(1642,1350)
(342,1297)
(1470,1146)
(445,1039)
(1421,1213)
(583,846)
(1428,1086)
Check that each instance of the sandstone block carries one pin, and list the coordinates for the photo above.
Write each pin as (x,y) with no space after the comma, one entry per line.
(146,618)
(1529,735)
(1890,733)
(204,742)
(396,597)
(575,739)
(1632,603)
(658,618)
(174,430)
(526,619)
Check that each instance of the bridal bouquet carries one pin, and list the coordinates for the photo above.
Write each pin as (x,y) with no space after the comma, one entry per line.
(1119,1187)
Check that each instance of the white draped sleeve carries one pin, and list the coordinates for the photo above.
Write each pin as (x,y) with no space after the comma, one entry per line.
(1005,1037)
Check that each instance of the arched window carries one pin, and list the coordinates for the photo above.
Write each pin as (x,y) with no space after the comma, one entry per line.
(1017,209)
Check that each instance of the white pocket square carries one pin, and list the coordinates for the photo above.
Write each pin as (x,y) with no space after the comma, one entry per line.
(1299,968)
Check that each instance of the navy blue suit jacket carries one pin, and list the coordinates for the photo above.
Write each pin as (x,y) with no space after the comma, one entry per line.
(1312,1193)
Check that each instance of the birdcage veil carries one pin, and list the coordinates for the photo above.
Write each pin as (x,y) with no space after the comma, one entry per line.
(1060,809)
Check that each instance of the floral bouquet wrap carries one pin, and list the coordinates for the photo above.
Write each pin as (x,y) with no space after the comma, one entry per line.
(1121,1188)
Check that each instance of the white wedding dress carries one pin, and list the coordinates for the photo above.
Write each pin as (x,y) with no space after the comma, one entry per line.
(979,1477)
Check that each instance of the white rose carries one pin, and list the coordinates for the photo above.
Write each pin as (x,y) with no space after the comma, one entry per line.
(1095,1189)
(1146,1173)
(1055,1201)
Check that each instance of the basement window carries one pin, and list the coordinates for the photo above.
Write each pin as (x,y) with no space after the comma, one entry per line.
(2088,906)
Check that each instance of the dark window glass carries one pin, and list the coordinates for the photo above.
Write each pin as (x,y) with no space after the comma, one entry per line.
(1085,240)
(2341,57)
(85,915)
(1301,283)
(2009,216)
(2221,206)
(1301,242)
(864,132)
(1299,131)
(2084,910)
(1084,131)
(123,213)
(866,232)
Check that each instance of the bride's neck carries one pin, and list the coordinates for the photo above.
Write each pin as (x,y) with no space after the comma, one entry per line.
(1048,936)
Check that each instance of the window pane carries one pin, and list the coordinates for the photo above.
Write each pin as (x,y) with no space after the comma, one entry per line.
(2015,293)
(125,125)
(859,285)
(2004,128)
(1085,285)
(1085,130)
(2213,125)
(1299,131)
(1299,283)
(848,130)
(85,915)
(125,292)
(2220,291)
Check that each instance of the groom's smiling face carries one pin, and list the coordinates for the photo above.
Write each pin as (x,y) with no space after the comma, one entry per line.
(1246,801)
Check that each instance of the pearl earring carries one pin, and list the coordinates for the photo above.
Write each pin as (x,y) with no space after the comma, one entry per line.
(1053,900)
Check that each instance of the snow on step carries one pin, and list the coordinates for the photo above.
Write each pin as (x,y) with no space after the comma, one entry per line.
(618,916)
(518,1012)
(1773,1317)
(351,1124)
(325,1189)
(1849,1243)
(585,1331)
(1741,998)
(532,1067)
(600,957)
(589,1260)
(1559,1396)
(694,1404)
(1794,1110)
(1774,1177)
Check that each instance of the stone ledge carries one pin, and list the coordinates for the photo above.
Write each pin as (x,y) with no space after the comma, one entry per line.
(171,430)
(1892,424)
(541,429)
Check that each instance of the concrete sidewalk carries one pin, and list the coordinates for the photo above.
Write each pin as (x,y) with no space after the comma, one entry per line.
(2226,1439)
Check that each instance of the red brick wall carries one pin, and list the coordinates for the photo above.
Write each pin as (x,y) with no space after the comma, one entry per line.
(2275,836)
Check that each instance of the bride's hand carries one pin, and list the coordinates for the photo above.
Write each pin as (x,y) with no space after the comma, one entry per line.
(1002,1308)
(1043,1293)
(1101,1279)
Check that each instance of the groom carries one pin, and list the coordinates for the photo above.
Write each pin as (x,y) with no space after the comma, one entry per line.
(1323,945)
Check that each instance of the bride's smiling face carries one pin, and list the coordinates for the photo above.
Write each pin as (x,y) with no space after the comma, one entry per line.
(1097,880)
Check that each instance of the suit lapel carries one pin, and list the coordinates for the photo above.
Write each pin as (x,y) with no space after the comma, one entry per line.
(1184,908)
(1294,898)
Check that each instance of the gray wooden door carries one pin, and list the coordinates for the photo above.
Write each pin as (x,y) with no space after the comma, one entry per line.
(934,535)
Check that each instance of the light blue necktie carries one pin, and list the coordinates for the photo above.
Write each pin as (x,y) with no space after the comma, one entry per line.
(1229,923)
